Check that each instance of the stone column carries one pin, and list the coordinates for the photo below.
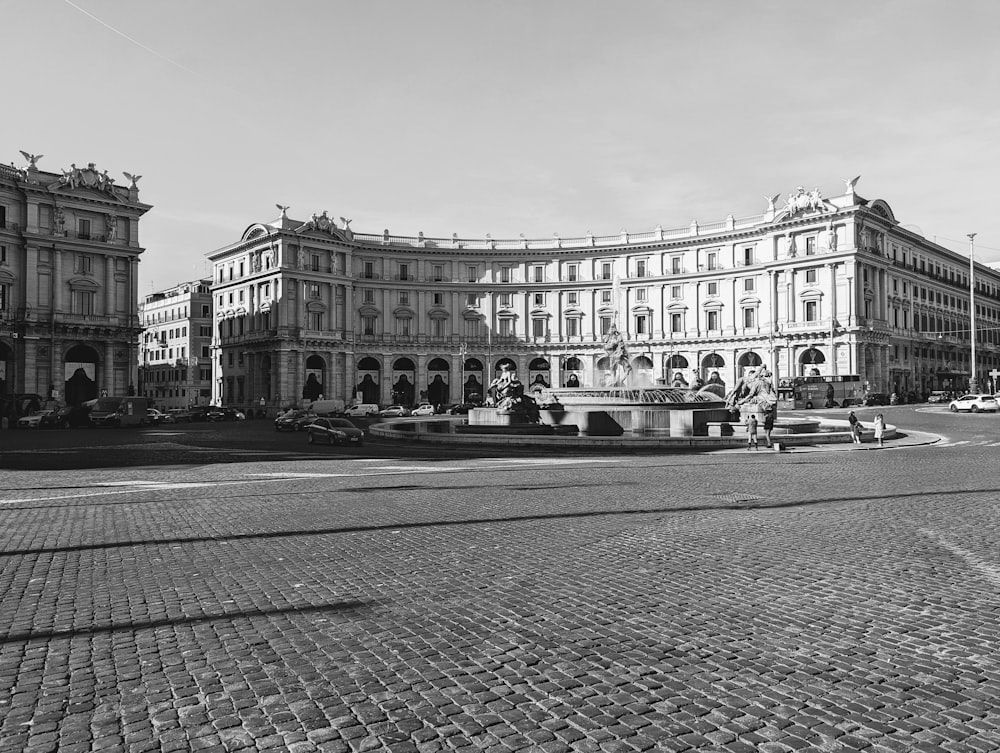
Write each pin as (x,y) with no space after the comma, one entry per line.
(109,285)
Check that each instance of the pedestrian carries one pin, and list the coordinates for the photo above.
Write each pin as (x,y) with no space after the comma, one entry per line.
(855,428)
(768,426)
(751,431)
(879,429)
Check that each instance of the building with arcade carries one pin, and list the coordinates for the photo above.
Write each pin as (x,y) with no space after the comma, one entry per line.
(69,255)
(812,285)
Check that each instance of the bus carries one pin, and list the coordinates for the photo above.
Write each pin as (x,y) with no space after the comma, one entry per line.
(809,392)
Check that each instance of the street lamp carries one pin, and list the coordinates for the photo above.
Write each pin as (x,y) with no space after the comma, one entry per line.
(973,382)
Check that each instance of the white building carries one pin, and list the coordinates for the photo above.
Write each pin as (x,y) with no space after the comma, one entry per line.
(175,362)
(817,286)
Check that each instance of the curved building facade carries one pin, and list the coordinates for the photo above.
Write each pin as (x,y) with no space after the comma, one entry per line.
(818,286)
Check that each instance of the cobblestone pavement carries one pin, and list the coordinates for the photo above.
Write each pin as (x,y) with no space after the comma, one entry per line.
(843,601)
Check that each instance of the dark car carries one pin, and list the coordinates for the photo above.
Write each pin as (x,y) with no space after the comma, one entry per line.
(293,420)
(876,398)
(461,409)
(199,413)
(334,431)
(68,416)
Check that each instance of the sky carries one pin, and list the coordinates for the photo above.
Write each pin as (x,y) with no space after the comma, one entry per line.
(527,117)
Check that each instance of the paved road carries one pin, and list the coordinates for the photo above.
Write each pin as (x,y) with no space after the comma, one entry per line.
(826,601)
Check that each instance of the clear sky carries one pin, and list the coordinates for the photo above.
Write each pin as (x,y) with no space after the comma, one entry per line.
(522,116)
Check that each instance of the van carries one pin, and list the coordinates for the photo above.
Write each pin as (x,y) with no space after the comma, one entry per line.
(327,407)
(362,409)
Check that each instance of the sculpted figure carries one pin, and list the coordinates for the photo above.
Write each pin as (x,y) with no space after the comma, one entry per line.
(614,346)
(754,389)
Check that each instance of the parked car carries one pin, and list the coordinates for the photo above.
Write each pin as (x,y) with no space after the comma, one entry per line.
(461,409)
(59,418)
(293,420)
(424,409)
(33,420)
(217,413)
(938,396)
(974,404)
(362,409)
(876,398)
(199,412)
(154,417)
(334,431)
(394,411)
(181,415)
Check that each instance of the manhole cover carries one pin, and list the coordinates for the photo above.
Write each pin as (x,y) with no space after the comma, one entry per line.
(737,497)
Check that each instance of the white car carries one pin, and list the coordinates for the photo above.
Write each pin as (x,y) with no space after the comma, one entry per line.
(34,420)
(361,410)
(974,404)
(424,409)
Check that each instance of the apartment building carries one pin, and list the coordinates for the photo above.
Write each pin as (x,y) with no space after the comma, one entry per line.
(817,286)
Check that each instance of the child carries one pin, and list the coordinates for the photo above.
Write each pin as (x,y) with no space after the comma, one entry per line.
(751,431)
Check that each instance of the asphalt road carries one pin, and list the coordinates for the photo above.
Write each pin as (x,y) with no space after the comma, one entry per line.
(228,588)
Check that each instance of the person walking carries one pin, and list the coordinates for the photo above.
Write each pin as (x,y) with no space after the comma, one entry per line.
(751,431)
(879,429)
(855,428)
(768,426)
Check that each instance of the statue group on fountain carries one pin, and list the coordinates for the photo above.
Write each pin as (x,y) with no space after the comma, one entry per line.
(754,392)
(617,353)
(506,393)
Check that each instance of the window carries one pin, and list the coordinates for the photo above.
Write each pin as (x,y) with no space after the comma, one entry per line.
(205,310)
(313,290)
(404,298)
(504,274)
(84,264)
(810,275)
(368,325)
(712,260)
(505,300)
(4,296)
(438,299)
(605,324)
(573,327)
(506,327)
(573,272)
(641,322)
(83,229)
(749,284)
(437,271)
(83,302)
(538,299)
(314,260)
(368,270)
(640,294)
(713,288)
(241,269)
(205,352)
(675,265)
(368,295)
(812,311)
(676,322)
(676,292)
(640,268)
(538,327)
(712,320)
(437,327)
(404,271)
(811,246)
(605,296)
(572,298)
(749,318)
(539,273)
(748,255)
(403,326)
(471,274)
(605,270)
(471,300)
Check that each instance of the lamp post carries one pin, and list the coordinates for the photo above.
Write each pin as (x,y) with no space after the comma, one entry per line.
(973,382)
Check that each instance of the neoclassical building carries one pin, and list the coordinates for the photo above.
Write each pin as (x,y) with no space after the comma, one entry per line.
(69,255)
(829,286)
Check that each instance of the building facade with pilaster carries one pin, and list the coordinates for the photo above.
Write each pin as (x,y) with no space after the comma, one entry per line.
(819,286)
(69,257)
